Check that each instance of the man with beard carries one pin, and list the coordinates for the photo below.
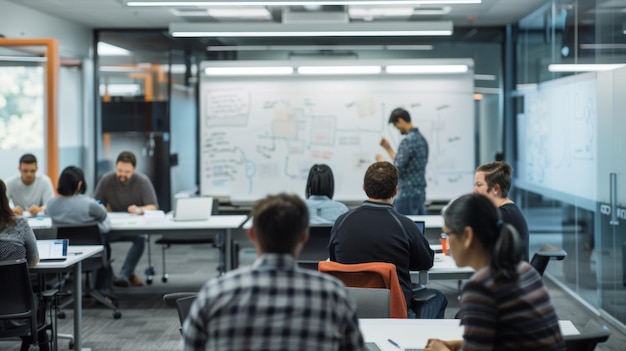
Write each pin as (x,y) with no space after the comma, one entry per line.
(126,190)
(411,162)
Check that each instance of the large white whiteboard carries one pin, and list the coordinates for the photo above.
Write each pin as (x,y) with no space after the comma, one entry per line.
(557,137)
(261,135)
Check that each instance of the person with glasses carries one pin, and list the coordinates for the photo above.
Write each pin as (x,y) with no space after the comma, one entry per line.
(504,305)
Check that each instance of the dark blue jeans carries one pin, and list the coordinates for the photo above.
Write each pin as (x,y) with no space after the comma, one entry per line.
(434,308)
(410,203)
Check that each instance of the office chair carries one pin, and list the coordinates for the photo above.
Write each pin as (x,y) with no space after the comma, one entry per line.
(316,248)
(591,335)
(17,302)
(167,240)
(371,302)
(170,299)
(370,275)
(45,233)
(89,234)
(542,257)
(182,301)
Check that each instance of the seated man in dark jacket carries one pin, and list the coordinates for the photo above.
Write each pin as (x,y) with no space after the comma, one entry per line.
(376,232)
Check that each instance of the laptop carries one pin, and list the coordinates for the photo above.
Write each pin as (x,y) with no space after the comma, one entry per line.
(52,250)
(193,208)
(421,225)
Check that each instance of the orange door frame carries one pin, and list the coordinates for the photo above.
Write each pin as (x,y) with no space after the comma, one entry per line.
(52,79)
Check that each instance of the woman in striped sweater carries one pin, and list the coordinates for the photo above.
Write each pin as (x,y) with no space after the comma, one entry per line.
(504,305)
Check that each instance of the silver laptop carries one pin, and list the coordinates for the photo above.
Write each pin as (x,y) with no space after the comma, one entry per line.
(193,208)
(52,250)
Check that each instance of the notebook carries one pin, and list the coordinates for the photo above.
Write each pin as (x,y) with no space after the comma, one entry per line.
(52,250)
(193,208)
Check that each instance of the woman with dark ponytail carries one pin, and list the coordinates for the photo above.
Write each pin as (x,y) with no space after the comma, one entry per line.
(504,305)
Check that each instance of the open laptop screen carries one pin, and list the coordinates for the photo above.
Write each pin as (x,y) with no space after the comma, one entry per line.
(421,225)
(52,250)
(193,208)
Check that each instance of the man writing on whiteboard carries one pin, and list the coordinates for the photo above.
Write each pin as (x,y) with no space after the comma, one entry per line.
(410,160)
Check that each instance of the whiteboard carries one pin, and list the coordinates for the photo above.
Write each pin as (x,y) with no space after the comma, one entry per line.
(557,137)
(261,135)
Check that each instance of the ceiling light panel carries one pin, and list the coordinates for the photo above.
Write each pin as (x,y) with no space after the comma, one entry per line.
(248,71)
(584,67)
(424,28)
(320,70)
(169,3)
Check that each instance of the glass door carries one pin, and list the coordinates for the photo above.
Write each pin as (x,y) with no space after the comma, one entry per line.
(610,229)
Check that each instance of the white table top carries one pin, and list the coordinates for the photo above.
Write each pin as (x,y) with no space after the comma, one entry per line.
(446,264)
(443,267)
(127,221)
(75,253)
(39,222)
(414,333)
(430,221)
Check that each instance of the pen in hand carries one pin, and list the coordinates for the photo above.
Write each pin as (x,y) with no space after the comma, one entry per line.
(393,343)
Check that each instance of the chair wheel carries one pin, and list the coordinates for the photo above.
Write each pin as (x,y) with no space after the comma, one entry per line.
(149,280)
(164,279)
(71,346)
(61,315)
(149,271)
(117,315)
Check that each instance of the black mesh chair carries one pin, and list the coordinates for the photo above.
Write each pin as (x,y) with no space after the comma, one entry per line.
(542,257)
(20,315)
(89,234)
(182,301)
(590,336)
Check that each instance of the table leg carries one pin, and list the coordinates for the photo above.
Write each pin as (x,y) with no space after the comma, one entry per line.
(78,304)
(228,260)
(423,277)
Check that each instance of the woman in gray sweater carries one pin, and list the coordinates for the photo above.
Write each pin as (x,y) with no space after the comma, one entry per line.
(17,239)
(72,206)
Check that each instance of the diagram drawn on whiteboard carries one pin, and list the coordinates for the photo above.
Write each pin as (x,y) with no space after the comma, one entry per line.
(257,140)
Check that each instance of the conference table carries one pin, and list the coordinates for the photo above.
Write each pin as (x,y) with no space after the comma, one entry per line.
(76,254)
(129,224)
(414,333)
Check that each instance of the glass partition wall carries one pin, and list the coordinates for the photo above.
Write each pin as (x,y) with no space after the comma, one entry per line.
(146,91)
(570,181)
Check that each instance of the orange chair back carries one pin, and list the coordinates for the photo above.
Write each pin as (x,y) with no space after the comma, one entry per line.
(370,275)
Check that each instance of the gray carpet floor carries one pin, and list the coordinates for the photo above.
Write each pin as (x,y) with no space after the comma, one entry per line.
(147,324)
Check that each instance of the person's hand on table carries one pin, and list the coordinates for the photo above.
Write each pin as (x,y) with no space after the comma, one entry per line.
(441,345)
(34,209)
(134,209)
(18,210)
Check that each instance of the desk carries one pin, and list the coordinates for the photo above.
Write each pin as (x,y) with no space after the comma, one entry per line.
(414,333)
(76,254)
(444,267)
(430,221)
(126,223)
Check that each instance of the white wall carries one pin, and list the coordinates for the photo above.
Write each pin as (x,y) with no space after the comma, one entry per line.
(18,22)
(75,96)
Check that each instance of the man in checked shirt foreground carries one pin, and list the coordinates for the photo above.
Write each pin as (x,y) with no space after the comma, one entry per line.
(274,305)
